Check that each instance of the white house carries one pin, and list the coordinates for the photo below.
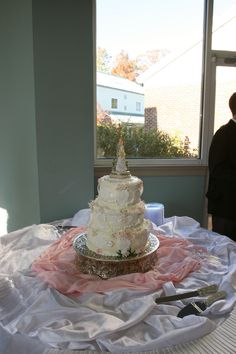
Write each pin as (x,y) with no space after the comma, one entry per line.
(121,98)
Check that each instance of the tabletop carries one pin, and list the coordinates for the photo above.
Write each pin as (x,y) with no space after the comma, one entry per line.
(49,309)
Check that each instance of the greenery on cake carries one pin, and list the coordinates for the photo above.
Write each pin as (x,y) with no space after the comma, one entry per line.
(130,253)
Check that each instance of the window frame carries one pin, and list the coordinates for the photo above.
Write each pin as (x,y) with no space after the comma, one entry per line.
(194,166)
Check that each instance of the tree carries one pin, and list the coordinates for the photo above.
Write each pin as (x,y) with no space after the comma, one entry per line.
(125,67)
(102,116)
(103,60)
(150,57)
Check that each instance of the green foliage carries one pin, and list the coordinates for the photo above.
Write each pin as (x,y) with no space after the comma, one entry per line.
(130,254)
(139,142)
(119,254)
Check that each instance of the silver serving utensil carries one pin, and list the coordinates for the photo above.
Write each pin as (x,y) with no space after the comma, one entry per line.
(196,308)
(206,290)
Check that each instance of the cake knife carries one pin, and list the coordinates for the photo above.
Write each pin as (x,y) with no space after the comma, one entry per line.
(196,308)
(199,292)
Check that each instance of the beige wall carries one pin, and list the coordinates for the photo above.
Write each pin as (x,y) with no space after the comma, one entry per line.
(178,108)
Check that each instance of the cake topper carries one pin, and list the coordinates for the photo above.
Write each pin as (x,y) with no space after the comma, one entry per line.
(120,165)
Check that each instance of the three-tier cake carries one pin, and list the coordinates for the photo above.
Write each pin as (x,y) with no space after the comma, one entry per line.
(118,238)
(117,225)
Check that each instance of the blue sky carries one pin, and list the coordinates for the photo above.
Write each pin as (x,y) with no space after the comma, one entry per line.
(139,25)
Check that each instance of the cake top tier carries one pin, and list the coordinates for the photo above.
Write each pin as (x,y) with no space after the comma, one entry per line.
(120,165)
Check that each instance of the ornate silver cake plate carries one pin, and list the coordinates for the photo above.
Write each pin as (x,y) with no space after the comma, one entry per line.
(109,266)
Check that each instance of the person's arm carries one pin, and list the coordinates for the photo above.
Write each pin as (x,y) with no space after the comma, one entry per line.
(219,155)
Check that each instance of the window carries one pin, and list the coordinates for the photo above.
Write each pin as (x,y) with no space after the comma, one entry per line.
(155,61)
(114,103)
(138,106)
(158,70)
(224,23)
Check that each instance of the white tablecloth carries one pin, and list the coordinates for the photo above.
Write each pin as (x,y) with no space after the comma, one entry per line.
(36,319)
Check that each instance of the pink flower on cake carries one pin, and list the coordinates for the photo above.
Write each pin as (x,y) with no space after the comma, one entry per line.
(124,246)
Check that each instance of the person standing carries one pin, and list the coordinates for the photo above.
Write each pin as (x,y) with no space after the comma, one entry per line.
(221,191)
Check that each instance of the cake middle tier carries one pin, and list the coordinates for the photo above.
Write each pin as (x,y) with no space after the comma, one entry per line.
(114,218)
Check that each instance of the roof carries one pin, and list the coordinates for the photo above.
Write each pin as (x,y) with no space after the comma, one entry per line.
(117,82)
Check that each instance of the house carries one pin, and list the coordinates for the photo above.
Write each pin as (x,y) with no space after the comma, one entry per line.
(121,98)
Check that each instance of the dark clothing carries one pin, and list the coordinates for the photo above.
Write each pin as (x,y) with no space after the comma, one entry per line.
(221,192)
(224,226)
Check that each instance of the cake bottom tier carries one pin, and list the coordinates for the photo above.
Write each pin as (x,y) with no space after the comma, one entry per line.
(109,267)
(126,242)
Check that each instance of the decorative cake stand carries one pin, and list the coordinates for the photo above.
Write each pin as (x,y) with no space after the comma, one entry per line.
(109,266)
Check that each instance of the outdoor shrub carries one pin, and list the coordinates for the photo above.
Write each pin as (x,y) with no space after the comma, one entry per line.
(139,142)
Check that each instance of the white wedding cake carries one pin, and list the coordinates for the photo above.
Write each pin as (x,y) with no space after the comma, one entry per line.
(117,226)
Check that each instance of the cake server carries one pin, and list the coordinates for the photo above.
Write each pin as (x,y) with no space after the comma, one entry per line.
(199,292)
(196,308)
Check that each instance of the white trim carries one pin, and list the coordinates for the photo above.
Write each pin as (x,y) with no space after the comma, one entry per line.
(94,80)
(208,94)
(153,162)
(156,171)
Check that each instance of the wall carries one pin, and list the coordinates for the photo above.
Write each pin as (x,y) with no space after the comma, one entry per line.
(63,50)
(46,158)
(18,154)
(180,195)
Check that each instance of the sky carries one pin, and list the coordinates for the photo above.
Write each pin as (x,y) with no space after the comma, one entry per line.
(139,25)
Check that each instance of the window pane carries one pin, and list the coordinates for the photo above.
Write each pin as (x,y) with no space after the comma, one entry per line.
(114,103)
(224,25)
(225,87)
(149,56)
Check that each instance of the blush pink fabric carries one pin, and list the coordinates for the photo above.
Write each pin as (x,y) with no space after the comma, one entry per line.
(57,267)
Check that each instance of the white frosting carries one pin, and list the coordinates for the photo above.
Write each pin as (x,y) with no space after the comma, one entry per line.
(114,219)
(117,225)
(121,192)
(102,241)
